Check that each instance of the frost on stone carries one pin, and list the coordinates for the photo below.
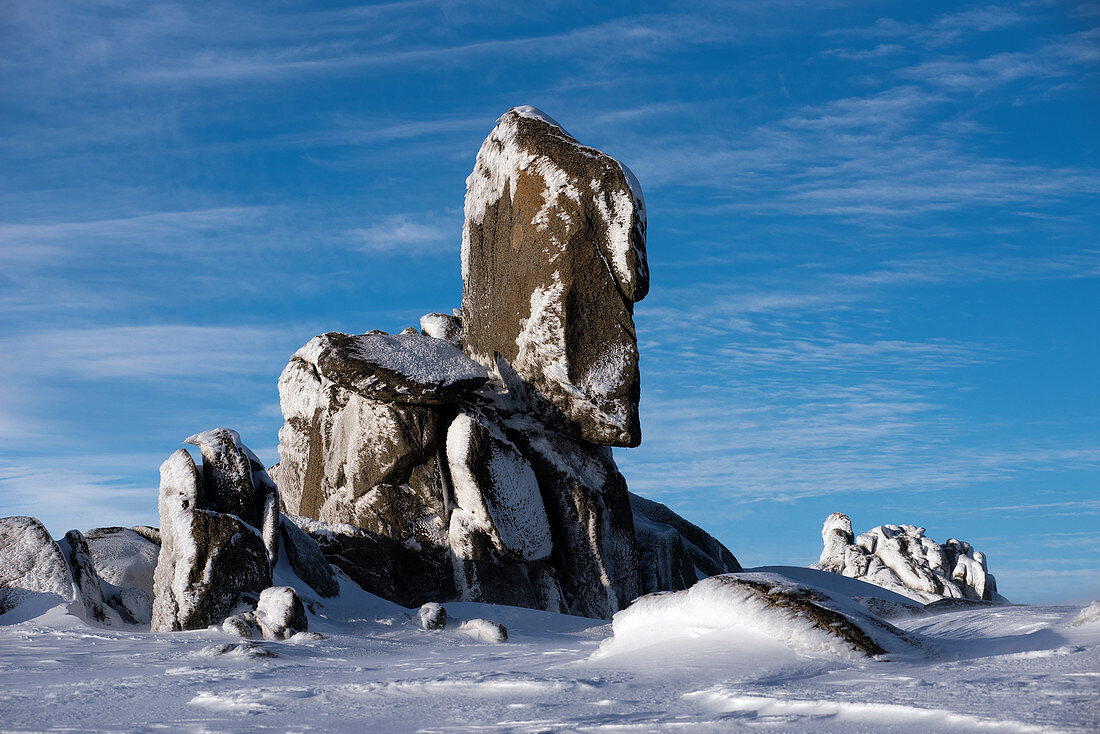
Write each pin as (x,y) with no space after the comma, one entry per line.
(442,326)
(496,491)
(207,559)
(31,564)
(901,558)
(805,618)
(432,616)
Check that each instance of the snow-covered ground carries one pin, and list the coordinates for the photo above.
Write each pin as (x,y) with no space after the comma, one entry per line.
(1016,668)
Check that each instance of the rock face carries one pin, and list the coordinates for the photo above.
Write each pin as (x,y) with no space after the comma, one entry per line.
(208,558)
(31,564)
(902,559)
(470,461)
(553,261)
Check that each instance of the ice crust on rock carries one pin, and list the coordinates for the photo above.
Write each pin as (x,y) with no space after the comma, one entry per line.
(573,221)
(432,616)
(496,491)
(901,558)
(805,618)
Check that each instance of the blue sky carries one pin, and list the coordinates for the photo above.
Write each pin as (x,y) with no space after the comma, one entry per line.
(873,237)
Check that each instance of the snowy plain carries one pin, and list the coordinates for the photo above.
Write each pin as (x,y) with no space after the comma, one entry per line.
(1007,668)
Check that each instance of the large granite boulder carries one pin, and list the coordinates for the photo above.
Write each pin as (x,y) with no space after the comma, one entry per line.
(553,260)
(31,564)
(208,559)
(901,558)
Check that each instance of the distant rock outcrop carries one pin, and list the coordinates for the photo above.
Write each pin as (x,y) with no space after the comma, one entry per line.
(902,559)
(471,460)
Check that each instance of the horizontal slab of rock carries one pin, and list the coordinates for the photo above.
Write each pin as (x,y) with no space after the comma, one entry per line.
(402,368)
(807,618)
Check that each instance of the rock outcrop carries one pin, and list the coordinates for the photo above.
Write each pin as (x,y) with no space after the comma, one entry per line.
(471,460)
(86,580)
(31,564)
(902,559)
(208,557)
(553,261)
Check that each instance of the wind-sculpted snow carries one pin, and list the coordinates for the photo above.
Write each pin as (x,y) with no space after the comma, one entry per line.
(902,559)
(374,668)
(805,618)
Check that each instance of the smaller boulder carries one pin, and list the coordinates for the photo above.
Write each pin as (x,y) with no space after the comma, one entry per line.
(280,613)
(484,630)
(442,326)
(432,616)
(242,625)
(87,581)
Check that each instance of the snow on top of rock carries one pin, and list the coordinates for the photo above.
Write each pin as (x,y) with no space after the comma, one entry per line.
(419,360)
(122,557)
(216,438)
(31,563)
(534,113)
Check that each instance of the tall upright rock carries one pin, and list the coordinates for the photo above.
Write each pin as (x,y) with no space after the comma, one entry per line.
(553,261)
(471,459)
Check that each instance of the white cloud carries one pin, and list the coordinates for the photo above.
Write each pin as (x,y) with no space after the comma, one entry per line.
(404,234)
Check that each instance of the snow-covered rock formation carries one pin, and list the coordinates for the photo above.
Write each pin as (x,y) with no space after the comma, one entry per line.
(902,559)
(208,558)
(470,460)
(31,564)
